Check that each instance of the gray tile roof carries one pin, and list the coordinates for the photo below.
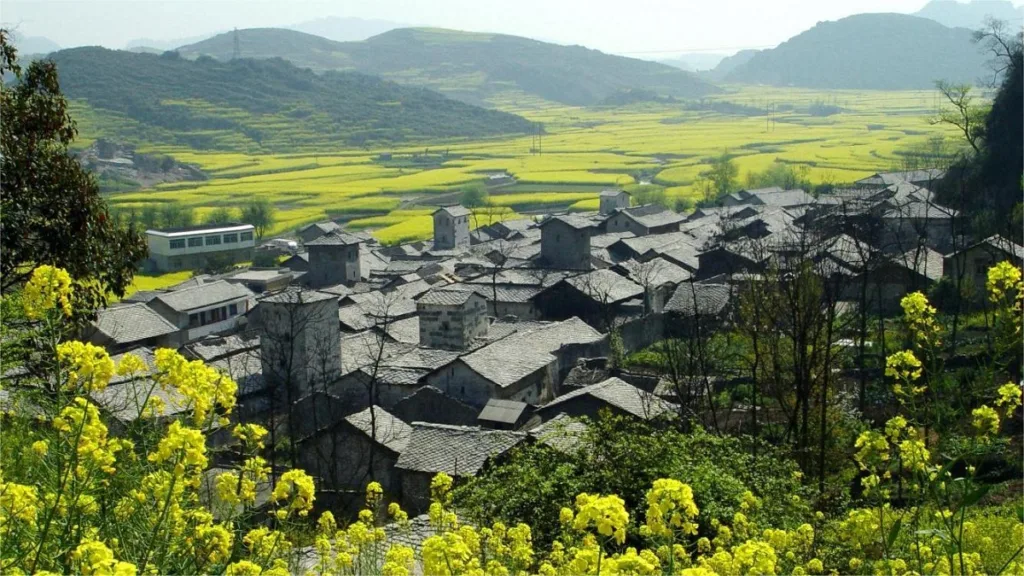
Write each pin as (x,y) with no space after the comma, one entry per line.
(681,254)
(926,262)
(562,433)
(143,296)
(690,299)
(204,295)
(337,238)
(655,272)
(125,401)
(613,192)
(382,427)
(456,450)
(605,286)
(502,411)
(405,330)
(516,294)
(654,218)
(213,347)
(452,296)
(620,394)
(1004,245)
(454,211)
(296,295)
(607,239)
(887,178)
(395,375)
(324,227)
(782,198)
(131,323)
(572,220)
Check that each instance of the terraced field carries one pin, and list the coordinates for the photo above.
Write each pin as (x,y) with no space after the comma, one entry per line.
(583,150)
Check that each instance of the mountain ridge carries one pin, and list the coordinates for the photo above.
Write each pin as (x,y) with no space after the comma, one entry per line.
(469,66)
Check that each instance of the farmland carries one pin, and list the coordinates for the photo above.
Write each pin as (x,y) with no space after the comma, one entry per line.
(584,149)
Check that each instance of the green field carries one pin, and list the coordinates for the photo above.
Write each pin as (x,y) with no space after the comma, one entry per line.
(583,150)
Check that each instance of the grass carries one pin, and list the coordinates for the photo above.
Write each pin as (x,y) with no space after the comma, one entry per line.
(146,282)
(584,150)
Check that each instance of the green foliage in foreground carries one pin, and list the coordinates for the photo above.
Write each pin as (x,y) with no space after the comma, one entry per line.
(271,104)
(621,456)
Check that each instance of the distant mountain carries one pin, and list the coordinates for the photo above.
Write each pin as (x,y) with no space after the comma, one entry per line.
(868,51)
(345,29)
(158,45)
(260,104)
(693,61)
(730,63)
(33,44)
(971,14)
(467,66)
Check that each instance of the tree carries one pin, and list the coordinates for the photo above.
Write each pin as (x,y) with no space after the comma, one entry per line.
(51,211)
(260,213)
(473,195)
(173,215)
(722,175)
(783,175)
(220,215)
(965,115)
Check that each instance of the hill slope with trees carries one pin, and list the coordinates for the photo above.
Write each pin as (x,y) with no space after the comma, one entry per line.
(464,65)
(269,103)
(868,51)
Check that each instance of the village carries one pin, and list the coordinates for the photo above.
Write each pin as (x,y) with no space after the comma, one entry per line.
(399,362)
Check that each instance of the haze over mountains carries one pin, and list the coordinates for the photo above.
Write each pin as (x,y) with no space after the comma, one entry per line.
(868,51)
(971,14)
(465,65)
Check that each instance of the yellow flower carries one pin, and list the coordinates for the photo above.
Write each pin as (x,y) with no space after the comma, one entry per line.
(40,447)
(251,435)
(88,366)
(1009,397)
(607,514)
(131,365)
(93,557)
(242,568)
(398,561)
(374,492)
(671,509)
(565,515)
(18,501)
(1002,278)
(439,486)
(204,387)
(184,447)
(48,288)
(296,486)
(903,366)
(985,420)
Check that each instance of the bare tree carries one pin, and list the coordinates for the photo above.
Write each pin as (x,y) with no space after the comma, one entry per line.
(999,41)
(967,116)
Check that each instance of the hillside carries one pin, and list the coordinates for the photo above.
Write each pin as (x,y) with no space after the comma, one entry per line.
(464,65)
(728,64)
(345,29)
(970,14)
(868,51)
(261,105)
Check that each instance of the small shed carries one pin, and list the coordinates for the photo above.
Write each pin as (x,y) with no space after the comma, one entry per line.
(503,414)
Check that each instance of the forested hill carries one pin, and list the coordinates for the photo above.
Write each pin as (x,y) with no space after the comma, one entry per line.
(464,65)
(868,51)
(260,104)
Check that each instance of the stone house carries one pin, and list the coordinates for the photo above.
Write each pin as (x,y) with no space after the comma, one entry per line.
(565,242)
(316,230)
(612,200)
(125,326)
(428,404)
(208,308)
(361,447)
(451,228)
(599,297)
(334,258)
(612,394)
(459,451)
(976,259)
(897,276)
(450,319)
(644,220)
(300,343)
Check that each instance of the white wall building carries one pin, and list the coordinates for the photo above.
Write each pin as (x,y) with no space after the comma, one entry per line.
(193,247)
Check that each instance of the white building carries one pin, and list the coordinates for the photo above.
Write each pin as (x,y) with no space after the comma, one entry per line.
(205,309)
(193,247)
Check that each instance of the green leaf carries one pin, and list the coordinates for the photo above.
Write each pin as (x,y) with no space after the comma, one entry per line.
(977,494)
(894,532)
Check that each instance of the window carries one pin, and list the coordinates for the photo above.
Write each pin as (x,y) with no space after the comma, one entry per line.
(193,320)
(216,315)
(177,244)
(981,267)
(233,310)
(558,237)
(230,238)
(246,236)
(212,240)
(194,242)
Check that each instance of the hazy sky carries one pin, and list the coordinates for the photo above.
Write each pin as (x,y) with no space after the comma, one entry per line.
(643,28)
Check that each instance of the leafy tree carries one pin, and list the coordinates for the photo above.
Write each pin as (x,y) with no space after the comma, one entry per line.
(220,215)
(783,175)
(722,175)
(174,215)
(260,213)
(964,114)
(474,195)
(51,211)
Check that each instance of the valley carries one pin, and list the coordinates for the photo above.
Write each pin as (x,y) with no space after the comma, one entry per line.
(582,150)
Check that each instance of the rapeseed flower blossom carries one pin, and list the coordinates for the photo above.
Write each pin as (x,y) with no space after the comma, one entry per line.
(47,289)
(89,366)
